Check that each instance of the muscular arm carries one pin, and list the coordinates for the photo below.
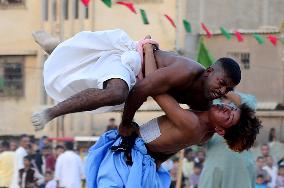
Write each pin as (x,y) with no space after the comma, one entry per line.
(154,83)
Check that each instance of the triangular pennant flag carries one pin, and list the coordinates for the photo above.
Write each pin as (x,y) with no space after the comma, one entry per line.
(2,83)
(85,2)
(272,39)
(144,16)
(187,26)
(239,36)
(281,40)
(225,33)
(208,33)
(107,3)
(170,20)
(259,38)
(203,55)
(130,6)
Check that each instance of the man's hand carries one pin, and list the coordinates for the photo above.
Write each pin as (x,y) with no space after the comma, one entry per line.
(127,130)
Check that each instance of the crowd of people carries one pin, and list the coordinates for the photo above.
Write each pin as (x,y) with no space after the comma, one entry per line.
(30,164)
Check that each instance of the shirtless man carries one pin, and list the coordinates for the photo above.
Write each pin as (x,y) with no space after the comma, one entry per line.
(164,136)
(186,80)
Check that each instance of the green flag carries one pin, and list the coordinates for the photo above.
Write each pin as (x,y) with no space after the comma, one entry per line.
(1,83)
(259,39)
(281,40)
(144,16)
(187,26)
(107,3)
(225,33)
(203,55)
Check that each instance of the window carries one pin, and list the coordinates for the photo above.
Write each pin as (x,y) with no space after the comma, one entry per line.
(54,10)
(76,9)
(11,76)
(86,12)
(241,57)
(44,10)
(65,9)
(11,2)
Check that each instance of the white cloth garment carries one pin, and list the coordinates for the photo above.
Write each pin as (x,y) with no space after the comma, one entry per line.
(69,170)
(20,154)
(87,60)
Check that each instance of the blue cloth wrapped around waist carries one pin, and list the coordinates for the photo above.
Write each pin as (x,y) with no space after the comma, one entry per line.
(105,168)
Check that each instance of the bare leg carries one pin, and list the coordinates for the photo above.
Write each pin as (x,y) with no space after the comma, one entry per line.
(46,41)
(115,93)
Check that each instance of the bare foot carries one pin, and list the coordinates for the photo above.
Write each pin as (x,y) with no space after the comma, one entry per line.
(46,41)
(39,119)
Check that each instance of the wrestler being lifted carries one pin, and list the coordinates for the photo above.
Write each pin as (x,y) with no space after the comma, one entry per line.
(97,71)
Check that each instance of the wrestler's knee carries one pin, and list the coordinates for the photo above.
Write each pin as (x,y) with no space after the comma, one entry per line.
(118,90)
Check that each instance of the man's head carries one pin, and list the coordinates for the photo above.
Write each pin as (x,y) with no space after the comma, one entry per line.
(48,176)
(5,146)
(25,141)
(265,150)
(197,168)
(46,150)
(27,161)
(260,162)
(69,145)
(269,160)
(238,126)
(59,149)
(221,77)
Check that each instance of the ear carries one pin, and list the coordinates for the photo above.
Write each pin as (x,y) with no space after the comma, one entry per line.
(220,131)
(208,71)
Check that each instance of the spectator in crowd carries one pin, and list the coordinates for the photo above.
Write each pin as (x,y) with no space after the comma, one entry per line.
(13,145)
(174,172)
(7,165)
(272,135)
(224,168)
(194,177)
(200,157)
(28,176)
(48,158)
(187,167)
(59,149)
(265,150)
(280,177)
(260,162)
(22,151)
(44,141)
(111,124)
(49,181)
(69,162)
(271,169)
(260,182)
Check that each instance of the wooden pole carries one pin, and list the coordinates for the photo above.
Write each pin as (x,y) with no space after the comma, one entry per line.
(180,165)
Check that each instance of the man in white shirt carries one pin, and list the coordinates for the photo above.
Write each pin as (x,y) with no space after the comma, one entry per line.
(272,170)
(21,152)
(69,169)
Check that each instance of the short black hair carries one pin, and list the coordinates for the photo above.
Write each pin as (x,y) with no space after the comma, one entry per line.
(5,144)
(69,145)
(59,147)
(242,136)
(231,68)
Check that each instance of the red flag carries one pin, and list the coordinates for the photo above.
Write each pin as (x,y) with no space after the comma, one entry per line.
(85,2)
(128,5)
(273,39)
(170,20)
(239,36)
(208,33)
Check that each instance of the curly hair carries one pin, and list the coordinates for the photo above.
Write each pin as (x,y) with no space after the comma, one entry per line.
(241,136)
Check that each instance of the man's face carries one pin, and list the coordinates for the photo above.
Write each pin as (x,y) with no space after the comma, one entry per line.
(224,116)
(260,162)
(269,161)
(265,150)
(217,83)
(25,142)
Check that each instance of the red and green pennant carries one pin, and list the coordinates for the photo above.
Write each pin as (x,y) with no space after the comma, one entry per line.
(144,17)
(130,6)
(107,3)
(239,36)
(208,33)
(225,33)
(170,20)
(258,38)
(85,2)
(187,26)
